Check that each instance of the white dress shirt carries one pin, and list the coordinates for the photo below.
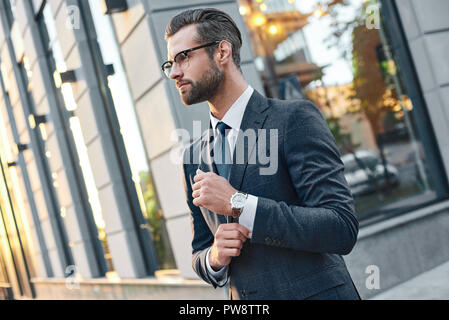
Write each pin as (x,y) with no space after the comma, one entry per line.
(233,118)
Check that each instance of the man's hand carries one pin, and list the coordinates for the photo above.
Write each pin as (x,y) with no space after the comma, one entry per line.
(228,242)
(213,192)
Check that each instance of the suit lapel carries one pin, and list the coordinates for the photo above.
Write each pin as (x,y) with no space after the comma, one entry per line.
(253,119)
(206,164)
(206,152)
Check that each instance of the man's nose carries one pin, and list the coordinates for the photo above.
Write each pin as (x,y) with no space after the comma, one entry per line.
(175,72)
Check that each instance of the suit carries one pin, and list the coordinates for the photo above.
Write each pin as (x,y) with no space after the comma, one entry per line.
(305,218)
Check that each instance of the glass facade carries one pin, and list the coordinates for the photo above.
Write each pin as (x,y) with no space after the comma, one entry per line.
(338,55)
(129,129)
(58,65)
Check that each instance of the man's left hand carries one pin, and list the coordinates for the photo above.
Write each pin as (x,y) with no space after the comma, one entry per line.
(213,192)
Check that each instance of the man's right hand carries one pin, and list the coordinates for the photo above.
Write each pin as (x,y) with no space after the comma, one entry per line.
(228,242)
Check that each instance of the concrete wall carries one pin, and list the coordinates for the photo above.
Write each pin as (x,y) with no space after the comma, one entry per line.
(401,248)
(138,289)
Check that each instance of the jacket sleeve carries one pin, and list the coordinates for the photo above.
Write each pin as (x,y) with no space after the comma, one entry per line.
(324,222)
(203,238)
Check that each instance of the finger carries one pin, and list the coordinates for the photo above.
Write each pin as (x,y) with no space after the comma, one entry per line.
(199,176)
(196,186)
(196,194)
(245,231)
(197,202)
(233,235)
(235,226)
(231,252)
(232,244)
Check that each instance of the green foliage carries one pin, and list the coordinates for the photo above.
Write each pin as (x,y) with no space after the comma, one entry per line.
(155,220)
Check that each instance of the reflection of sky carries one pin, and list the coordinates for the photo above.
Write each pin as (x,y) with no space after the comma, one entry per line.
(75,127)
(339,70)
(118,85)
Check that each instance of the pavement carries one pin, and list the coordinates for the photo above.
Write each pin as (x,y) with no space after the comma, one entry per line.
(430,285)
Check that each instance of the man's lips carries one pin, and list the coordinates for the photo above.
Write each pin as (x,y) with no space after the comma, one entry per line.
(183,84)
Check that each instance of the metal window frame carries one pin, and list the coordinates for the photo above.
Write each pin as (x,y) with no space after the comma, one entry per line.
(27,183)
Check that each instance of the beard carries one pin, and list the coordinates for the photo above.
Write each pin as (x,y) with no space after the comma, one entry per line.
(205,88)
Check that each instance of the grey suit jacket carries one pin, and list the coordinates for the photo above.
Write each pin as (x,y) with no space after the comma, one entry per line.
(305,213)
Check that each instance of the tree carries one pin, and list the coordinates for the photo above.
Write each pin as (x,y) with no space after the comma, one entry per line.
(369,84)
(374,92)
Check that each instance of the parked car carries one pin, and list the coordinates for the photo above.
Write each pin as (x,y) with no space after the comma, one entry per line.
(366,173)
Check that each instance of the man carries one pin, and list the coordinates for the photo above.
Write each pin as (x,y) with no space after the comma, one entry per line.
(268,236)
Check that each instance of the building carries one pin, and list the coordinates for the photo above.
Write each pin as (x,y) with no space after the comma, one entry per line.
(91,200)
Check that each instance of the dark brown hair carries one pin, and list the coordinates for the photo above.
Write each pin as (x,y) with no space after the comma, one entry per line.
(212,25)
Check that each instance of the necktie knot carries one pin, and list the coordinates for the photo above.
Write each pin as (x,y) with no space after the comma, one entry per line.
(222,127)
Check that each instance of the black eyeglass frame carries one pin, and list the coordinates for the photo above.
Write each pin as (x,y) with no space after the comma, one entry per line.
(171,62)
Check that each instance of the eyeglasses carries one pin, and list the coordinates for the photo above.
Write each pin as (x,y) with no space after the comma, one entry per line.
(182,58)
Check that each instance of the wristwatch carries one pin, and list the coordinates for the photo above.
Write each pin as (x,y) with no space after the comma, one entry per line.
(238,201)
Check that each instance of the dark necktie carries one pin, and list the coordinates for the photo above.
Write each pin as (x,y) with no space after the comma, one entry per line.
(222,152)
(222,156)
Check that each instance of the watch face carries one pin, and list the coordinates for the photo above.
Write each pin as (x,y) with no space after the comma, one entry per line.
(238,201)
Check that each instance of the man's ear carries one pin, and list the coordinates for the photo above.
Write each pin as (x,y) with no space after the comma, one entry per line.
(224,52)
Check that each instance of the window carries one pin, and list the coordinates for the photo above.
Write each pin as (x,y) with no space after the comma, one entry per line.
(338,55)
(129,128)
(58,65)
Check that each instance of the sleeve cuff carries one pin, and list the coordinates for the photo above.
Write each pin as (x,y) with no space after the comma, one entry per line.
(248,215)
(219,276)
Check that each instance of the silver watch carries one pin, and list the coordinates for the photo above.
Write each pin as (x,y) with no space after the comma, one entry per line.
(238,201)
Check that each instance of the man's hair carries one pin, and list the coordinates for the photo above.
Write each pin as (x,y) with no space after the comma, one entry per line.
(212,25)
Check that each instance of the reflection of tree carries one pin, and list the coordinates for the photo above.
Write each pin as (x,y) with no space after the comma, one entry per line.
(342,139)
(374,94)
(156,221)
(369,85)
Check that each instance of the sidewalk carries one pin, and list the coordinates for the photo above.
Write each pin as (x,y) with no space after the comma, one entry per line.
(431,285)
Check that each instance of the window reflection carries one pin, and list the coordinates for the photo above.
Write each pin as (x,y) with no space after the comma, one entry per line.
(337,54)
(70,104)
(124,107)
(14,224)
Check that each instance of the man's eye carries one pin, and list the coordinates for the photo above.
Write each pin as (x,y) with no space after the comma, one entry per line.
(181,57)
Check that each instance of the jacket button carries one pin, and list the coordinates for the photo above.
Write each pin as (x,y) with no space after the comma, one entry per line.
(243,292)
(268,240)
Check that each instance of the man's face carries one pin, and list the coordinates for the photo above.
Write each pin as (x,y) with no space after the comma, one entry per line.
(201,79)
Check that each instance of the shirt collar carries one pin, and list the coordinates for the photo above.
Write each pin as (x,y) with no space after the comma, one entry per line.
(234,115)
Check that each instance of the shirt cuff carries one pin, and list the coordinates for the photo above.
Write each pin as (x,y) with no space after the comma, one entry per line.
(248,215)
(220,276)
